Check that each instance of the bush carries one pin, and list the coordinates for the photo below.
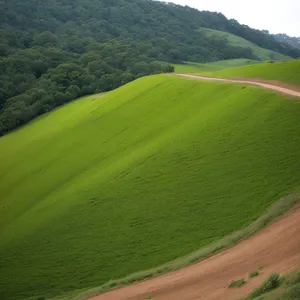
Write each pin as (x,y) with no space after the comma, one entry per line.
(253,274)
(237,283)
(271,283)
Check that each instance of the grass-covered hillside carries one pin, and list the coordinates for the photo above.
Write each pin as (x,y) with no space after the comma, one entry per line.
(288,71)
(110,185)
(194,67)
(237,41)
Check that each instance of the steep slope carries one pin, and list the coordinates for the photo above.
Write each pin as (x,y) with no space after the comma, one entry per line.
(110,185)
(234,40)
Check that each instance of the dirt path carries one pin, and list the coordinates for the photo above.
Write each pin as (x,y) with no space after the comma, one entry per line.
(276,247)
(282,88)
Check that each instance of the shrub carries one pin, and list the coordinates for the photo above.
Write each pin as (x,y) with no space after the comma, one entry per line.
(271,283)
(253,274)
(237,283)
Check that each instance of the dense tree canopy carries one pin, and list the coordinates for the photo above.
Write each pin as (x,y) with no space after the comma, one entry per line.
(293,41)
(57,50)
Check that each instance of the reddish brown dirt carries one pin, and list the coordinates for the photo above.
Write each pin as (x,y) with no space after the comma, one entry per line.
(277,86)
(276,247)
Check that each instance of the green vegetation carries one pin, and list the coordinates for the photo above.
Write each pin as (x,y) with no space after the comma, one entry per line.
(253,274)
(283,205)
(193,67)
(286,288)
(293,41)
(96,190)
(237,41)
(291,279)
(237,283)
(288,72)
(271,283)
(52,52)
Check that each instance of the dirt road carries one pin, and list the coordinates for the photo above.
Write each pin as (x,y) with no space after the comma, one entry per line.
(276,247)
(282,88)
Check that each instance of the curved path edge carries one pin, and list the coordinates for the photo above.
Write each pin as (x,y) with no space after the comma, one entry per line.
(279,87)
(204,268)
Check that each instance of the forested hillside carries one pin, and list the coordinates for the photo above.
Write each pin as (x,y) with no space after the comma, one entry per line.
(57,50)
(293,41)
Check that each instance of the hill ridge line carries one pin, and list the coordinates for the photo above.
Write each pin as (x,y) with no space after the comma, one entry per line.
(261,83)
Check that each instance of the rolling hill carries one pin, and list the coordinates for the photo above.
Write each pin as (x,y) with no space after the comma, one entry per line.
(194,67)
(286,72)
(53,52)
(237,41)
(117,183)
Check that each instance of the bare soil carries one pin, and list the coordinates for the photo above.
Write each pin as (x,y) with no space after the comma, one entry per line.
(277,86)
(276,247)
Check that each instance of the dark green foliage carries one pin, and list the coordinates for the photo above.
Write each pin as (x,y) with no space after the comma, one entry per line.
(271,283)
(293,41)
(76,48)
(237,283)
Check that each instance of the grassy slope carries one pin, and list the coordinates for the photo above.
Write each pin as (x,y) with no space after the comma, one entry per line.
(261,53)
(288,72)
(104,187)
(193,67)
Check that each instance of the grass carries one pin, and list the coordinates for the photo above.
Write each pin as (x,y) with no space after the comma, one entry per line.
(291,279)
(288,72)
(275,288)
(253,274)
(271,283)
(103,188)
(234,40)
(193,67)
(237,283)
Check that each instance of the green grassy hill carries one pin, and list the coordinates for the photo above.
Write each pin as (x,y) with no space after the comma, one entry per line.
(234,40)
(288,72)
(193,67)
(110,185)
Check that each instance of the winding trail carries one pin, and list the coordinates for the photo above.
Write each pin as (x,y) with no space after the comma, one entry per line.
(280,87)
(276,247)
